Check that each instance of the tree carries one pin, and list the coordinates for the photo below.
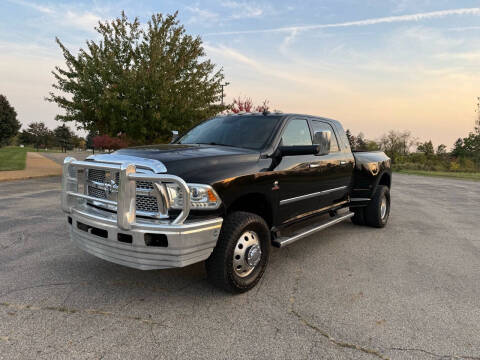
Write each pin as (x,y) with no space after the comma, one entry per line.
(426,148)
(441,149)
(351,138)
(36,134)
(396,143)
(360,143)
(458,149)
(245,104)
(372,146)
(106,142)
(64,137)
(89,140)
(9,125)
(141,81)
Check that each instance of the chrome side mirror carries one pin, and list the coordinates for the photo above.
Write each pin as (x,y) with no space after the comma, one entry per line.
(322,139)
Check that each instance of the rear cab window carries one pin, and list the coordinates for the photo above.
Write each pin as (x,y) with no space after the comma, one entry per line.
(318,125)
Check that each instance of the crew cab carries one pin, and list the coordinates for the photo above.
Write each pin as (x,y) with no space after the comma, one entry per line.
(224,193)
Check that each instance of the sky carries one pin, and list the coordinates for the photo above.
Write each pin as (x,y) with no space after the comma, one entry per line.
(375,65)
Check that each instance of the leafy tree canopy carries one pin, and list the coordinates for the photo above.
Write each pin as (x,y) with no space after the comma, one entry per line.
(426,147)
(37,134)
(139,81)
(246,105)
(9,125)
(63,136)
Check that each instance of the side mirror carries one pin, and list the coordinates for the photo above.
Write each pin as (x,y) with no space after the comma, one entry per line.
(174,136)
(322,139)
(298,150)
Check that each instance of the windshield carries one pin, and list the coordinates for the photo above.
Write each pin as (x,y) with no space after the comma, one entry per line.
(251,132)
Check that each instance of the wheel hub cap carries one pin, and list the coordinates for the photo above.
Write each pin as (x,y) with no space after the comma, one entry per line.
(247,254)
(383,208)
(253,255)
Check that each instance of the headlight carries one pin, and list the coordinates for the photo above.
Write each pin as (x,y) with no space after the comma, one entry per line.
(201,197)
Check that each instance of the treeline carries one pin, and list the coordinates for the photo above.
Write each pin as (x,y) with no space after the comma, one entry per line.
(39,136)
(409,154)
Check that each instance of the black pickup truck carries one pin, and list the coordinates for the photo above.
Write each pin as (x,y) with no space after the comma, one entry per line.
(224,192)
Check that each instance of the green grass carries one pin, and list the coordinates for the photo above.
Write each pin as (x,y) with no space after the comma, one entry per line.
(32,149)
(12,158)
(450,174)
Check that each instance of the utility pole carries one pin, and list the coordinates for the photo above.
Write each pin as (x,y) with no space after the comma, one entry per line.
(223,85)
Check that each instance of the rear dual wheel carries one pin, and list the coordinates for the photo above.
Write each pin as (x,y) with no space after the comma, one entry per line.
(378,210)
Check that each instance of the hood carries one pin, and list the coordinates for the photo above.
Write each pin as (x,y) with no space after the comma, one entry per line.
(199,163)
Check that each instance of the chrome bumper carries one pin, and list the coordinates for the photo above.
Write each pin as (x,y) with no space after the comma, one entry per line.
(98,234)
(122,237)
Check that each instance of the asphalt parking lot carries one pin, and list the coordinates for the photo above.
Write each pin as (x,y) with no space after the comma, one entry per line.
(409,291)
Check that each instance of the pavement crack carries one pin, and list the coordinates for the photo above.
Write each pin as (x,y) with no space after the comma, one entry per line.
(324,333)
(155,339)
(339,343)
(67,310)
(40,286)
(437,356)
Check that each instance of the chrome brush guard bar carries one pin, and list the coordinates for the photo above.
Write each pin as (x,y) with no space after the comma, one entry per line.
(74,175)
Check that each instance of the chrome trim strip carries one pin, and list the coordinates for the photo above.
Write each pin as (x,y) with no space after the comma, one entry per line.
(91,198)
(155,165)
(284,242)
(94,165)
(329,207)
(359,199)
(308,196)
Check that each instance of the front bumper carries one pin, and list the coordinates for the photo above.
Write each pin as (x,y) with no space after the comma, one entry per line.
(97,232)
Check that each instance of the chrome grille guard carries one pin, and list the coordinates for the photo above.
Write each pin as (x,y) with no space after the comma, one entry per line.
(74,175)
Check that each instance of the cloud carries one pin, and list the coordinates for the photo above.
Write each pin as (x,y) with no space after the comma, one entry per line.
(467,56)
(201,15)
(287,41)
(85,21)
(365,22)
(464,28)
(243,9)
(63,15)
(41,8)
(270,70)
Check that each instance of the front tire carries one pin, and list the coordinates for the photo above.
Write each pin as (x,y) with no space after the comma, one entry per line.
(240,258)
(378,210)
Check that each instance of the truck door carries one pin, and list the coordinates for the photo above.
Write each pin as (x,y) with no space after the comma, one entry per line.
(334,170)
(297,176)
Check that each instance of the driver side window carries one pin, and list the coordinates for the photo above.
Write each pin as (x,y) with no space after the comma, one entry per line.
(297,133)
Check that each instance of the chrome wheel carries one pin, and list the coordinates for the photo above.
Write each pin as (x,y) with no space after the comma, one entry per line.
(383,207)
(247,254)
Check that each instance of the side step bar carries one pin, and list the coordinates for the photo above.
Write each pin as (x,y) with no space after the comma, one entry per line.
(284,241)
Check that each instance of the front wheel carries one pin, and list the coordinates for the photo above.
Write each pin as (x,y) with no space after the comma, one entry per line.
(239,260)
(378,210)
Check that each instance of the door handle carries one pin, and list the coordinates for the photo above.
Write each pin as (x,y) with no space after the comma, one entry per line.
(343,162)
(313,165)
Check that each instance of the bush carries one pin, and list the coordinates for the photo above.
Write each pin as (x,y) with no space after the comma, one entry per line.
(106,142)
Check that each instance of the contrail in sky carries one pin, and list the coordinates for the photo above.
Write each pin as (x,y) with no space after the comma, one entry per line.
(365,22)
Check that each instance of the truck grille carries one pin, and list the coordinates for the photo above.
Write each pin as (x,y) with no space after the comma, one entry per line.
(144,203)
(96,175)
(98,193)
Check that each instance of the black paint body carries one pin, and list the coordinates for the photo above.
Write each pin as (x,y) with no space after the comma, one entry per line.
(261,179)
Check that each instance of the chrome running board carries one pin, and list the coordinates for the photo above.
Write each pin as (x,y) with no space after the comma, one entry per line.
(284,241)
